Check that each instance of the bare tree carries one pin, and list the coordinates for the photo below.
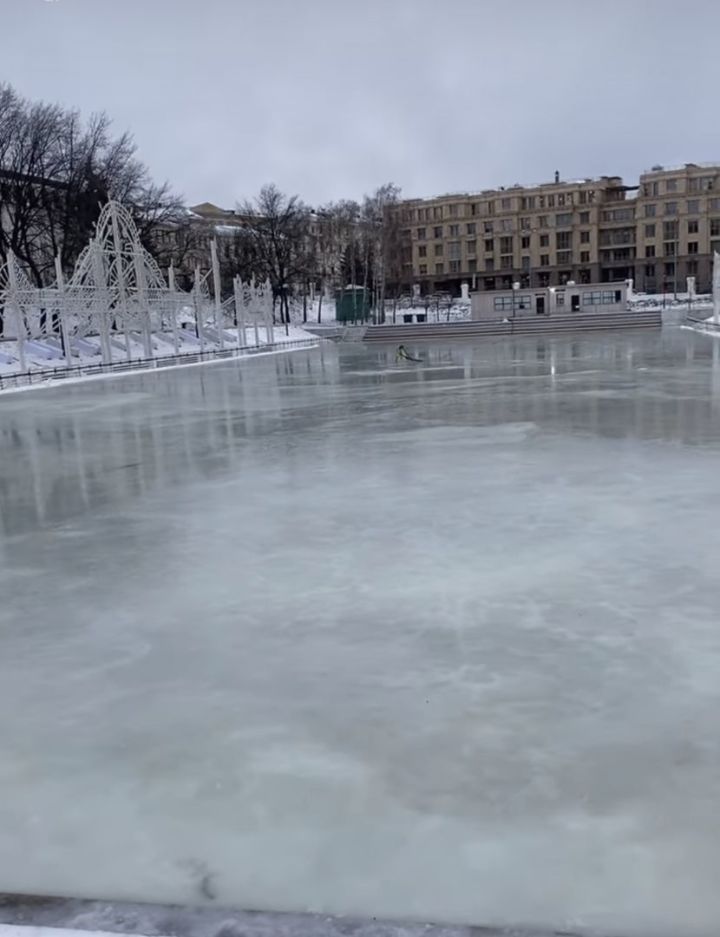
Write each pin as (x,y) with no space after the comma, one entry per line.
(278,233)
(55,173)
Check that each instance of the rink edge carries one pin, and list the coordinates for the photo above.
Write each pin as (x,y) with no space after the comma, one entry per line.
(41,916)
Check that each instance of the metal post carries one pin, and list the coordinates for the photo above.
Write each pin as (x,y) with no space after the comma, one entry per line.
(173,309)
(254,295)
(15,305)
(197,303)
(142,299)
(239,311)
(267,308)
(216,291)
(63,311)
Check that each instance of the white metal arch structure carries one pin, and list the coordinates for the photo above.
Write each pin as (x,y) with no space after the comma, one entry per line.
(118,293)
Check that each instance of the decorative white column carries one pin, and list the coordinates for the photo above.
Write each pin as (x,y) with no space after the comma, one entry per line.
(216,291)
(173,309)
(102,302)
(121,285)
(17,310)
(239,310)
(716,288)
(197,303)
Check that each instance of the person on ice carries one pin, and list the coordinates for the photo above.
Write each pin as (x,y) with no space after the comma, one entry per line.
(402,355)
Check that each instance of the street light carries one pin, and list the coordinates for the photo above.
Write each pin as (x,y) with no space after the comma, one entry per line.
(515,287)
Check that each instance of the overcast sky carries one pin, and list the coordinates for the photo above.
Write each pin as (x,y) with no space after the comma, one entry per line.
(330,98)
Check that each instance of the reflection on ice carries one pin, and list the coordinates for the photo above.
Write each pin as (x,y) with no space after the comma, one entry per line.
(317,631)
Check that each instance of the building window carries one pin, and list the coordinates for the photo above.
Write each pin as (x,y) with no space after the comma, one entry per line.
(473,208)
(421,234)
(584,237)
(619,214)
(584,217)
(714,227)
(489,283)
(551,201)
(439,268)
(692,267)
(715,247)
(489,264)
(454,250)
(505,204)
(563,240)
(671,185)
(650,211)
(438,250)
(649,230)
(487,227)
(525,224)
(692,247)
(584,257)
(544,240)
(649,250)
(472,265)
(506,262)
(526,263)
(423,269)
(422,251)
(470,228)
(489,245)
(693,206)
(506,245)
(692,227)
(527,202)
(670,249)
(454,266)
(454,230)
(714,204)
(543,221)
(470,247)
(437,212)
(544,260)
(670,270)
(453,211)
(563,220)
(650,270)
(564,257)
(438,231)
(670,230)
(525,242)
(671,208)
(506,224)
(490,207)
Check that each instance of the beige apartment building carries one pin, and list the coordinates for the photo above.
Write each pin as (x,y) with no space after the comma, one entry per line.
(589,231)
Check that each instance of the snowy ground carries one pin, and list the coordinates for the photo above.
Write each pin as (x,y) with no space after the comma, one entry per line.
(320,631)
(45,354)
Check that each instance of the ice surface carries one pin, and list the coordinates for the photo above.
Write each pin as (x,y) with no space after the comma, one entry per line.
(316,632)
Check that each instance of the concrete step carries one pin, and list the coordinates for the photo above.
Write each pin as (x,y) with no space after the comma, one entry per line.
(519,326)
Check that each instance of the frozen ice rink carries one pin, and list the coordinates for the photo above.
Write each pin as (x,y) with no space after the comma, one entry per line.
(314,631)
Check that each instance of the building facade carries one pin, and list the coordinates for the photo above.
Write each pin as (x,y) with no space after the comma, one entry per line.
(550,301)
(657,233)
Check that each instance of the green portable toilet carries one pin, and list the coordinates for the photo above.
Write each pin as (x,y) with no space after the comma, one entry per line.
(352,304)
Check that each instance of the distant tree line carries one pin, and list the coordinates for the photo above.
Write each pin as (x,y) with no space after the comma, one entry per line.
(57,171)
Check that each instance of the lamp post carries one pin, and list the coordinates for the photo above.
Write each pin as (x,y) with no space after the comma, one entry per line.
(515,288)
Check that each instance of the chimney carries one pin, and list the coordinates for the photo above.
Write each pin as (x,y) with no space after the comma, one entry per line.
(557,175)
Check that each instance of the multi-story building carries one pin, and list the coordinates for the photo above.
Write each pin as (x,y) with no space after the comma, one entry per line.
(587,231)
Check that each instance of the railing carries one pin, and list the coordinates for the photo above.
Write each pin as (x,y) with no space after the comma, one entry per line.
(28,378)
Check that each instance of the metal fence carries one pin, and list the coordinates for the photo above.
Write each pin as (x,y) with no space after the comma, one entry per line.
(44,375)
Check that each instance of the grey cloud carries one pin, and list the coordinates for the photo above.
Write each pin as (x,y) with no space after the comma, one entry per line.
(330,98)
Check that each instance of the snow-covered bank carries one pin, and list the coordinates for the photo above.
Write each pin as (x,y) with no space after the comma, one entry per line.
(90,365)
